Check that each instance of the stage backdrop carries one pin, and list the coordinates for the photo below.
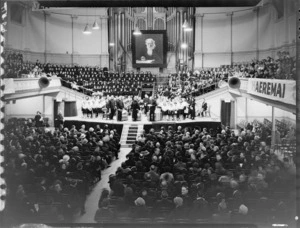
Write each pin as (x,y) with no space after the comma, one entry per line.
(149,49)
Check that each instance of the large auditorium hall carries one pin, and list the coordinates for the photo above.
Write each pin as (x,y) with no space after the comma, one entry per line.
(149,113)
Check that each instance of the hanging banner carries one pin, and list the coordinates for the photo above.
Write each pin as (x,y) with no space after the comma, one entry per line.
(280,90)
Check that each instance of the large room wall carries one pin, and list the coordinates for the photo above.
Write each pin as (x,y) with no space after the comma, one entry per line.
(52,37)
(230,35)
(22,108)
(255,110)
(223,35)
(259,111)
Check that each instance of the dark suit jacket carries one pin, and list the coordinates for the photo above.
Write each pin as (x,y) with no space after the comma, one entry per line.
(112,104)
(120,104)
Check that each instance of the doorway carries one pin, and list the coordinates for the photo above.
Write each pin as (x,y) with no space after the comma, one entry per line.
(227,113)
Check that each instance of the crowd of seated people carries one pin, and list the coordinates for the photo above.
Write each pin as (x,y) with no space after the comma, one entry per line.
(13,63)
(95,78)
(109,83)
(199,82)
(284,67)
(49,173)
(197,175)
(195,83)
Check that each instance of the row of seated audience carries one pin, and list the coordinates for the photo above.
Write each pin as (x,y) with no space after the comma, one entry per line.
(49,173)
(284,67)
(197,175)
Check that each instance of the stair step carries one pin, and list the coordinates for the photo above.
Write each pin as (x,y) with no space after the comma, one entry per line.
(132,131)
(133,139)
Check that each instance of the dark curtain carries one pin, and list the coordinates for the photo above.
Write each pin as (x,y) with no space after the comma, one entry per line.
(70,108)
(55,110)
(225,113)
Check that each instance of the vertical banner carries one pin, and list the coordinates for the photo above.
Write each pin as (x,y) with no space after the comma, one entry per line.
(280,90)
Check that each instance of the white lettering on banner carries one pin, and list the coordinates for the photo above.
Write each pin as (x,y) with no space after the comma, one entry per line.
(281,90)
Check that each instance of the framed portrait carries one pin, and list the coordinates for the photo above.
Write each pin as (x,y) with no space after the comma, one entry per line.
(149,49)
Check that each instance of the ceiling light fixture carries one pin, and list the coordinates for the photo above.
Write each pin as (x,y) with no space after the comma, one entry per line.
(185,24)
(87,30)
(137,31)
(95,25)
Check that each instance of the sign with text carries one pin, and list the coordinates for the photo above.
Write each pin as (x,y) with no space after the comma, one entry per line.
(280,90)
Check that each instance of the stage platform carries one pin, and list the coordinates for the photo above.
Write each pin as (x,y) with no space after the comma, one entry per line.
(208,122)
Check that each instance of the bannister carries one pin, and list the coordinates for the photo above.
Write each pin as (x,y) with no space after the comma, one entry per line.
(273,89)
(17,85)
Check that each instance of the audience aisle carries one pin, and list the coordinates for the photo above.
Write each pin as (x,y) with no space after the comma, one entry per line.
(91,203)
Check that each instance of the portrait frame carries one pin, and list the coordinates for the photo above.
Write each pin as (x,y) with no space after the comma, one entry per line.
(138,41)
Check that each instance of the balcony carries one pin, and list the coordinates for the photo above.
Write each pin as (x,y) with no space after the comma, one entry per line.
(26,87)
(278,93)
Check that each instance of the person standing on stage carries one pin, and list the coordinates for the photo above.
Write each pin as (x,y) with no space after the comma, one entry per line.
(99,106)
(94,107)
(59,120)
(112,107)
(89,108)
(153,105)
(180,109)
(38,119)
(185,109)
(135,109)
(204,108)
(171,110)
(164,109)
(84,107)
(192,108)
(146,103)
(177,110)
(120,107)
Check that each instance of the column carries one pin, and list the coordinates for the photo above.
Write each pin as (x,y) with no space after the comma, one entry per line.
(185,40)
(246,109)
(182,11)
(198,53)
(115,28)
(45,29)
(44,106)
(230,15)
(256,10)
(72,24)
(201,41)
(286,23)
(104,40)
(123,41)
(111,40)
(273,128)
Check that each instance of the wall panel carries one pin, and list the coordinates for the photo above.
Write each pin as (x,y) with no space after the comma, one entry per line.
(243,31)
(216,35)
(35,29)
(59,34)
